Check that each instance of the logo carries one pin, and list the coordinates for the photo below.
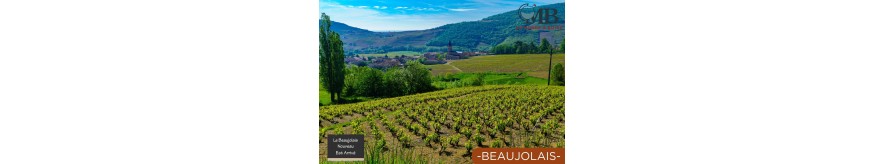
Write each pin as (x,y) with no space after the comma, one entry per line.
(532,13)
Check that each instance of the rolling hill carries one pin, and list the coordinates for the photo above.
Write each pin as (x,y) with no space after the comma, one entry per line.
(472,35)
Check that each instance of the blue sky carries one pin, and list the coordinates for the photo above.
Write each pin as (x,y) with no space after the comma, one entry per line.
(401,15)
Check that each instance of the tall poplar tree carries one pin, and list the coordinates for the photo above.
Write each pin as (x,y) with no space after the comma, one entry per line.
(331,59)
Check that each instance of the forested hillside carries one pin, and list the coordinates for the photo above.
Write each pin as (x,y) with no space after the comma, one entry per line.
(479,35)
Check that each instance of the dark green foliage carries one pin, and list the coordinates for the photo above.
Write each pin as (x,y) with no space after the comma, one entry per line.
(562,46)
(362,64)
(469,146)
(414,78)
(478,80)
(532,48)
(559,74)
(478,138)
(419,77)
(504,49)
(371,82)
(471,79)
(363,81)
(395,82)
(545,46)
(520,47)
(331,59)
(441,56)
(488,31)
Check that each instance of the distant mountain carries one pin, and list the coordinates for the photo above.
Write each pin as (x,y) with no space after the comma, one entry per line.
(472,35)
(357,40)
(342,28)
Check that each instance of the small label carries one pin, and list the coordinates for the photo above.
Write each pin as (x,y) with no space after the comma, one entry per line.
(349,147)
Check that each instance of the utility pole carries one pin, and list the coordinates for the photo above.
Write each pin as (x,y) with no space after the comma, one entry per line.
(550,66)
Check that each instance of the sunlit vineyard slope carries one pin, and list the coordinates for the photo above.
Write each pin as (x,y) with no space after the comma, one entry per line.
(443,126)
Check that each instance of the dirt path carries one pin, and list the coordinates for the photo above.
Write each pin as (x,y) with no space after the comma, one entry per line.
(453,66)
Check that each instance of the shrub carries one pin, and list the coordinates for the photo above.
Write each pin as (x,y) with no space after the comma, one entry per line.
(469,147)
(404,139)
(500,125)
(354,123)
(414,127)
(453,140)
(357,130)
(363,81)
(464,131)
(419,79)
(498,143)
(339,130)
(443,144)
(558,75)
(395,83)
(478,139)
(433,137)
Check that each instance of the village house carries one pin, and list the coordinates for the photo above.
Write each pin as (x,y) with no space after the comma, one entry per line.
(381,63)
(455,55)
(432,58)
(353,60)
(401,60)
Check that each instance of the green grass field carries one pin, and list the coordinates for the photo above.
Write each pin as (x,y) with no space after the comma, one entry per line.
(533,64)
(512,78)
(392,54)
(325,96)
(466,79)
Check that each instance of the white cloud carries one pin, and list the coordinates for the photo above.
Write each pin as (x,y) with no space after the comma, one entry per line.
(374,20)
(370,18)
(462,9)
(423,9)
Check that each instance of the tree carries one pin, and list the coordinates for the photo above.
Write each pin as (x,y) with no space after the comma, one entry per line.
(363,81)
(440,57)
(532,48)
(419,77)
(395,82)
(520,49)
(545,46)
(562,46)
(559,74)
(331,59)
(351,81)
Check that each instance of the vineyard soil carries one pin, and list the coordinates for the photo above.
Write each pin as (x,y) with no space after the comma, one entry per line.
(441,126)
